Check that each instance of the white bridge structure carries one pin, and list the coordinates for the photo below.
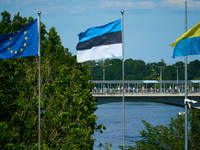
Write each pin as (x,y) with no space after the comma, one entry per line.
(166,91)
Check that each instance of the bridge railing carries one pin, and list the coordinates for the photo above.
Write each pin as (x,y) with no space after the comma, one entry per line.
(146,86)
(140,90)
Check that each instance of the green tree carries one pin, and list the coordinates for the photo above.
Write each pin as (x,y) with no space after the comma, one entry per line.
(181,70)
(138,70)
(169,73)
(67,107)
(171,136)
(193,69)
(129,69)
(135,69)
(161,63)
(151,69)
(116,69)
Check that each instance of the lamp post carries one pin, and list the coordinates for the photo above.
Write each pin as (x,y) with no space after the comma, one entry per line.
(177,74)
(161,67)
(92,66)
(89,67)
(104,74)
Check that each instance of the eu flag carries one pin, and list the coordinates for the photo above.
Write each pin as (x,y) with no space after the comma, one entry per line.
(22,43)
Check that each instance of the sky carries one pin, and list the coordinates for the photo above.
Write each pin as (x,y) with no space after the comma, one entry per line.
(149,25)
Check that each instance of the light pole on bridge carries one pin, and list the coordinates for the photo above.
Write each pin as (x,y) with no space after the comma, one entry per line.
(161,67)
(104,73)
(177,74)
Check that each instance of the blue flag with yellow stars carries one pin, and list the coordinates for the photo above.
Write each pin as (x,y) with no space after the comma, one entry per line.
(22,43)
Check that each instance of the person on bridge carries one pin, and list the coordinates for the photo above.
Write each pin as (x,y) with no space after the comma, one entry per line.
(118,89)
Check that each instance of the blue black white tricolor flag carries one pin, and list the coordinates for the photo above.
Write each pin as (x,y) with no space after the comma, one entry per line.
(22,43)
(100,42)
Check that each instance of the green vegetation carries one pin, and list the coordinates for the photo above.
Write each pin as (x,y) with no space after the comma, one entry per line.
(139,70)
(67,107)
(171,136)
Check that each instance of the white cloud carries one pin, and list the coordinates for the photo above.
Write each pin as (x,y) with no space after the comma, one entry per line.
(191,4)
(63,9)
(179,2)
(48,6)
(81,6)
(4,2)
(124,5)
(156,5)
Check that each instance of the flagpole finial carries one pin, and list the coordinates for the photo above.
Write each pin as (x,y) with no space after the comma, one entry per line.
(39,12)
(122,11)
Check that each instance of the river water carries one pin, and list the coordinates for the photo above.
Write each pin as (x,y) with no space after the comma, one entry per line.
(111,115)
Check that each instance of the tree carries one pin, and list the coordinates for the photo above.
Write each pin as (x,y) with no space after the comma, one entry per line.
(171,136)
(169,73)
(193,69)
(162,63)
(138,70)
(116,69)
(67,106)
(181,70)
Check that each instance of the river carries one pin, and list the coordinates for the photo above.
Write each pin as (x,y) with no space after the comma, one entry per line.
(111,116)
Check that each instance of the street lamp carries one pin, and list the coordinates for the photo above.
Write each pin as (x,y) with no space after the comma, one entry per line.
(177,74)
(92,66)
(89,67)
(161,67)
(104,72)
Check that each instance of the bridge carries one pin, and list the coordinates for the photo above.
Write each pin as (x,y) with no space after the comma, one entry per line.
(171,93)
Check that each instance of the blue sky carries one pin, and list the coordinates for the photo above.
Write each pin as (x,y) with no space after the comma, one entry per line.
(149,25)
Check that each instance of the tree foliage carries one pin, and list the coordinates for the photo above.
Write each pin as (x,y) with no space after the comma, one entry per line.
(171,136)
(67,107)
(139,70)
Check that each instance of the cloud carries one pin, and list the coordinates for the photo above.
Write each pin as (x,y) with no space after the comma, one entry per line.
(47,6)
(82,6)
(63,9)
(5,2)
(144,5)
(179,4)
(52,6)
(124,4)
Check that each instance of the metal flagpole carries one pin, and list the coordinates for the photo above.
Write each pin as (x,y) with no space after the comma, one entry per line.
(186,111)
(122,12)
(39,13)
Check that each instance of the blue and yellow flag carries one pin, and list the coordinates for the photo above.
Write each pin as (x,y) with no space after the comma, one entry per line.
(22,43)
(188,43)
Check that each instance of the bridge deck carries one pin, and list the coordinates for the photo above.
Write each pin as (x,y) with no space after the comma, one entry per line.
(167,98)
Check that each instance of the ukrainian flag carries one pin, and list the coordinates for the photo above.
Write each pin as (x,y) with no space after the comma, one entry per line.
(22,43)
(188,43)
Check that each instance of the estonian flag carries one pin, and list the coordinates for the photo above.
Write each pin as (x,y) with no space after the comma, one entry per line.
(188,43)
(100,42)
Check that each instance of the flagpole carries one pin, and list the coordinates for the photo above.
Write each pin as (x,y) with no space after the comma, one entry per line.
(39,13)
(186,110)
(122,19)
